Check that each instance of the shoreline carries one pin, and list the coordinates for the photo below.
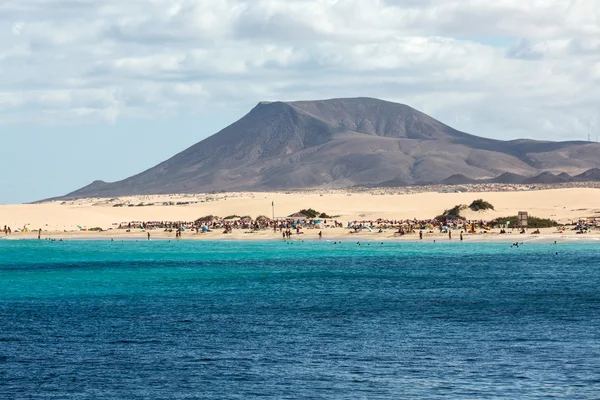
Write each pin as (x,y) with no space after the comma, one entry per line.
(548,235)
(101,218)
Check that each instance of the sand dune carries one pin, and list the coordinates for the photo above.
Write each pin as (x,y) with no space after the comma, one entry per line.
(563,205)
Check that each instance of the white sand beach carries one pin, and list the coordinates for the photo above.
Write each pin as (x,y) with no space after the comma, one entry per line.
(74,219)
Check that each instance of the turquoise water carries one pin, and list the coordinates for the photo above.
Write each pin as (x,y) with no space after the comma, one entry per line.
(154,320)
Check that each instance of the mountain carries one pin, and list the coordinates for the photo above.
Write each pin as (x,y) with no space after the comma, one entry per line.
(458,179)
(589,175)
(345,142)
(549,178)
(509,178)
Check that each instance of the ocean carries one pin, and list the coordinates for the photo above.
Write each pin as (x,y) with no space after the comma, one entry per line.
(245,320)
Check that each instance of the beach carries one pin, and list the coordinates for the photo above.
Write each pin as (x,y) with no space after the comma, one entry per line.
(101,218)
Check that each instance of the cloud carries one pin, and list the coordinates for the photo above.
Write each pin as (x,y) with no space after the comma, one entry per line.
(524,50)
(505,69)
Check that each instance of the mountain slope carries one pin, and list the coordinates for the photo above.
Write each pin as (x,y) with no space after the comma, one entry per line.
(340,143)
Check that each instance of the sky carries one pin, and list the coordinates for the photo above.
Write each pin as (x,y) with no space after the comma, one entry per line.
(104,89)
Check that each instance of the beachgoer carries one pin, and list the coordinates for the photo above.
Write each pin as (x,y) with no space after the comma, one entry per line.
(461,236)
(450,235)
(40,234)
(320,235)
(148,235)
(421,235)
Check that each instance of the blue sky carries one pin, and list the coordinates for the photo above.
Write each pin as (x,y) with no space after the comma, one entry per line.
(103,89)
(42,162)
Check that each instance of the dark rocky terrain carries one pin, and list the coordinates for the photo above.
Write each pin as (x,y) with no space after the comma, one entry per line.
(351,142)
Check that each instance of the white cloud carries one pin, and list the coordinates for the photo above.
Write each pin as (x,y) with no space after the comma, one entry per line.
(505,68)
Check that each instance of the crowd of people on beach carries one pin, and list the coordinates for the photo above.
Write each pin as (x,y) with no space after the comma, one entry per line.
(409,226)
(229,225)
(295,225)
(585,225)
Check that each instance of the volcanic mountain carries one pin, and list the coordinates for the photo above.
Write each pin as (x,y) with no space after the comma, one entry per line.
(345,142)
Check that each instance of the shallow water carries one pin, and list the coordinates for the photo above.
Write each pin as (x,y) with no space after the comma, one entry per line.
(138,320)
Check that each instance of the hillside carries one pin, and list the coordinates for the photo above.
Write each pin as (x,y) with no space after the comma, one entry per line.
(348,142)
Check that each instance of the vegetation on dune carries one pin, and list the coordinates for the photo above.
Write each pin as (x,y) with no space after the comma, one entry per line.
(206,218)
(453,213)
(323,215)
(312,213)
(481,205)
(532,222)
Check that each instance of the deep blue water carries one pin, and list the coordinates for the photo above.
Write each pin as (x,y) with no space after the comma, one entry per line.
(159,320)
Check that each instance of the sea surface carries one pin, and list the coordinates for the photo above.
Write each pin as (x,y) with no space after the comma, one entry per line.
(245,320)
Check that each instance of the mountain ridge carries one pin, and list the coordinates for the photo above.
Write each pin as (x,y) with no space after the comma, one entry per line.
(340,143)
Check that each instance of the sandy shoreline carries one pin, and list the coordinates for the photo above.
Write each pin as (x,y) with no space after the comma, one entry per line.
(548,235)
(72,219)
